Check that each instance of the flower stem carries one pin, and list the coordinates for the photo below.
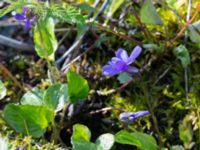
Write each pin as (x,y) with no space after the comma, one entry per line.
(55,135)
(155,122)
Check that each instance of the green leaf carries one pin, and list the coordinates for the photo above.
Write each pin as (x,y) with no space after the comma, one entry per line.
(185,133)
(194,32)
(182,53)
(56,96)
(78,87)
(105,141)
(149,15)
(28,119)
(81,138)
(66,13)
(2,90)
(84,145)
(19,4)
(124,77)
(100,40)
(176,4)
(177,147)
(87,7)
(80,132)
(141,140)
(44,38)
(33,97)
(115,5)
(11,7)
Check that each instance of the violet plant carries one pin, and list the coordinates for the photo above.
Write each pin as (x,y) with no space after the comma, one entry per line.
(38,108)
(130,117)
(27,17)
(121,63)
(41,111)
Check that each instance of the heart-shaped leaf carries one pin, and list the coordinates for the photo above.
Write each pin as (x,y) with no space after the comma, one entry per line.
(81,138)
(149,15)
(194,32)
(33,97)
(141,140)
(105,141)
(56,96)
(182,53)
(80,132)
(124,77)
(78,87)
(28,119)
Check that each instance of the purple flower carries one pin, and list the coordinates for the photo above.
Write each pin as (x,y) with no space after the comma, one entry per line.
(131,116)
(26,17)
(121,62)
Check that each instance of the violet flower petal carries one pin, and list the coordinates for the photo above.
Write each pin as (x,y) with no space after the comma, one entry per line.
(108,70)
(121,62)
(25,10)
(132,69)
(20,17)
(33,19)
(114,60)
(120,66)
(131,116)
(27,24)
(136,52)
(122,54)
(139,114)
(125,116)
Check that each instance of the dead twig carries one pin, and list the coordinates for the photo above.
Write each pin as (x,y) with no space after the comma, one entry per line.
(7,72)
(79,40)
(106,109)
(65,67)
(16,44)
(119,34)
(181,32)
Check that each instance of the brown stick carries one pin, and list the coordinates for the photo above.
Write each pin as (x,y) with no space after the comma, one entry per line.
(187,24)
(106,109)
(6,71)
(119,34)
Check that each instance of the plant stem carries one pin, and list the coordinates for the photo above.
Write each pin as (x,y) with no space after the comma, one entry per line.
(144,28)
(198,123)
(54,72)
(147,98)
(63,113)
(55,135)
(185,41)
(27,131)
(54,75)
